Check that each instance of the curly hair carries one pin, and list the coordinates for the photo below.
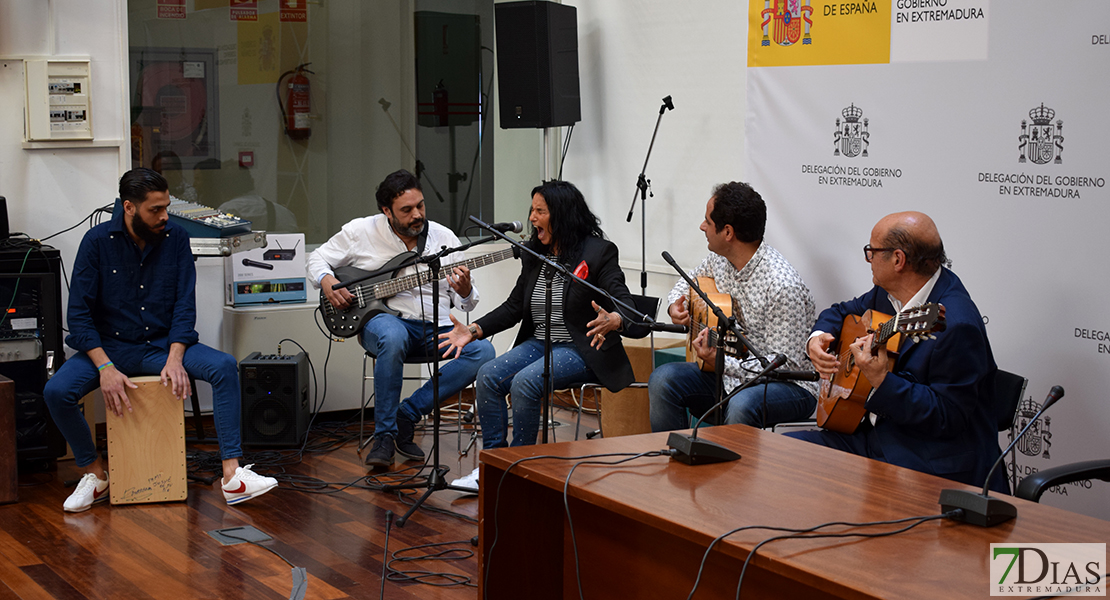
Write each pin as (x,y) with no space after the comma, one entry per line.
(395,184)
(737,204)
(571,220)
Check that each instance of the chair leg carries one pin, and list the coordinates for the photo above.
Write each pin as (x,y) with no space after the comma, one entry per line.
(364,402)
(198,422)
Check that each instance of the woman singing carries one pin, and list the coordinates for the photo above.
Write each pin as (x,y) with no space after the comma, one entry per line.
(585,337)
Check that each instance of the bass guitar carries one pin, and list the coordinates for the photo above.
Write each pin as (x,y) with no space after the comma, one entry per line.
(370,295)
(701,317)
(843,394)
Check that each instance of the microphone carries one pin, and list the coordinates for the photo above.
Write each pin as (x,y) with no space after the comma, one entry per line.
(692,451)
(258,265)
(671,261)
(667,105)
(670,328)
(980,509)
(514,227)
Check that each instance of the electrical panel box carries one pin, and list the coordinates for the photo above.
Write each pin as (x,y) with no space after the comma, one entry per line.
(58,100)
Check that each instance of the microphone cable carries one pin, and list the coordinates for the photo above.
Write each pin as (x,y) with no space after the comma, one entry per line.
(566,503)
(802,534)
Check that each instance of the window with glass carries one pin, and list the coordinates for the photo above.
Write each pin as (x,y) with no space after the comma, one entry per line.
(290,112)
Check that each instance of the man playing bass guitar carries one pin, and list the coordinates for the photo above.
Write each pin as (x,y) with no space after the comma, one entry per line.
(933,410)
(369,243)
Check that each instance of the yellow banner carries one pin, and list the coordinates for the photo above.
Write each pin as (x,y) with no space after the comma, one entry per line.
(258,49)
(785,33)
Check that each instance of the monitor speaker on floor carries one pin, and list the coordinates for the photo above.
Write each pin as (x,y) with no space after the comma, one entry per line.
(275,399)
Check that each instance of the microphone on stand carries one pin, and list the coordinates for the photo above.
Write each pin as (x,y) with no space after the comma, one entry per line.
(980,509)
(515,227)
(692,451)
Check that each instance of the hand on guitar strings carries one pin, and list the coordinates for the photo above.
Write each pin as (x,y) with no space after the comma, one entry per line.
(341,298)
(603,324)
(824,362)
(874,368)
(459,280)
(706,352)
(453,342)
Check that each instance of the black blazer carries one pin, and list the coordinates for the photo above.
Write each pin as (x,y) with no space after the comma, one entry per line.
(610,362)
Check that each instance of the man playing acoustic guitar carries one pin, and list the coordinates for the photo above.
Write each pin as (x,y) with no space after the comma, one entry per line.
(770,302)
(369,243)
(932,411)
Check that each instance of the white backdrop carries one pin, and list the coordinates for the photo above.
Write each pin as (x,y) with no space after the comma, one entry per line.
(943,135)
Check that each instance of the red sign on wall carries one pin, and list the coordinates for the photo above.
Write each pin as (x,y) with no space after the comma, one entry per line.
(244,10)
(293,11)
(171,9)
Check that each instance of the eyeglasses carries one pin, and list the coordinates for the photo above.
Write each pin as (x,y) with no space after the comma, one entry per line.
(869,252)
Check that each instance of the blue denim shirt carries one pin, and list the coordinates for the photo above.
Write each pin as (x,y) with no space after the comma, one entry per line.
(123,298)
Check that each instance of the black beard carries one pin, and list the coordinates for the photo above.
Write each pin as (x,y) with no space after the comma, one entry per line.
(413,231)
(146,233)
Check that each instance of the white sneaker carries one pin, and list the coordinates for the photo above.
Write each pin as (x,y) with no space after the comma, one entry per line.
(470,482)
(246,485)
(90,490)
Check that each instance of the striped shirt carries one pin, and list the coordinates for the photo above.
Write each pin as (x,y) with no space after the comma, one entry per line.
(559,331)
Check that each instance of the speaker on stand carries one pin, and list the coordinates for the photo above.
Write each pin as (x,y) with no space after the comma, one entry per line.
(275,399)
(537,64)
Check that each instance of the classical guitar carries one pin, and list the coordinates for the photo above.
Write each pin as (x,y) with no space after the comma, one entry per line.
(370,295)
(701,317)
(843,394)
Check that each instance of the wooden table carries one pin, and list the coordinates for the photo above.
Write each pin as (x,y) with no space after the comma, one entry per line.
(643,527)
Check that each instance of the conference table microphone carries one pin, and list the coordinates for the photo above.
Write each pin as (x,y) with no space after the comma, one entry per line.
(514,227)
(980,509)
(692,451)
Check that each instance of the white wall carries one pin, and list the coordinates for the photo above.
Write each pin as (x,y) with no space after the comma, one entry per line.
(51,189)
(632,53)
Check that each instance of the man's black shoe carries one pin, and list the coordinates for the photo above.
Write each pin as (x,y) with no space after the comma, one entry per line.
(405,446)
(381,454)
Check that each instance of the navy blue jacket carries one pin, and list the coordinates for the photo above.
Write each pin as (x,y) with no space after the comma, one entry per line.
(123,299)
(936,407)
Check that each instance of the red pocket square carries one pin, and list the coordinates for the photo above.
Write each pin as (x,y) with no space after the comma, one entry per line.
(582,270)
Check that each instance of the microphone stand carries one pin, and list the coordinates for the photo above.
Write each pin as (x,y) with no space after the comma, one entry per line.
(689,449)
(437,479)
(549,268)
(642,185)
(980,509)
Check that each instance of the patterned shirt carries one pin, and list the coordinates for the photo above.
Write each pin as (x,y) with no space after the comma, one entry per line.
(770,302)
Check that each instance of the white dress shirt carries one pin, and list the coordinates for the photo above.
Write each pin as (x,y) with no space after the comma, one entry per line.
(368,243)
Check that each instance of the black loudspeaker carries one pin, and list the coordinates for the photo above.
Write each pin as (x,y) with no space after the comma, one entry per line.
(275,399)
(537,64)
(5,233)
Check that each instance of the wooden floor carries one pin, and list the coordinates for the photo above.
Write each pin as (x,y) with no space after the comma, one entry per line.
(336,532)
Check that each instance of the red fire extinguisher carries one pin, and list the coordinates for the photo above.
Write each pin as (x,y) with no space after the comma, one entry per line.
(298,104)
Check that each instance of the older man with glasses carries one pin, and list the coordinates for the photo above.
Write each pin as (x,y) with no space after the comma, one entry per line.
(932,410)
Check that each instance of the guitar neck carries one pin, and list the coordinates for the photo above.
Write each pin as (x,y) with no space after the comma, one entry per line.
(397,285)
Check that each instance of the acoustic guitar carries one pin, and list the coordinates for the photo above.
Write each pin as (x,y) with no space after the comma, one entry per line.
(701,317)
(843,394)
(370,295)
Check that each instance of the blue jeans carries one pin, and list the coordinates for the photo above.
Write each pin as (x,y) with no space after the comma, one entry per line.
(677,387)
(394,341)
(520,372)
(78,376)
